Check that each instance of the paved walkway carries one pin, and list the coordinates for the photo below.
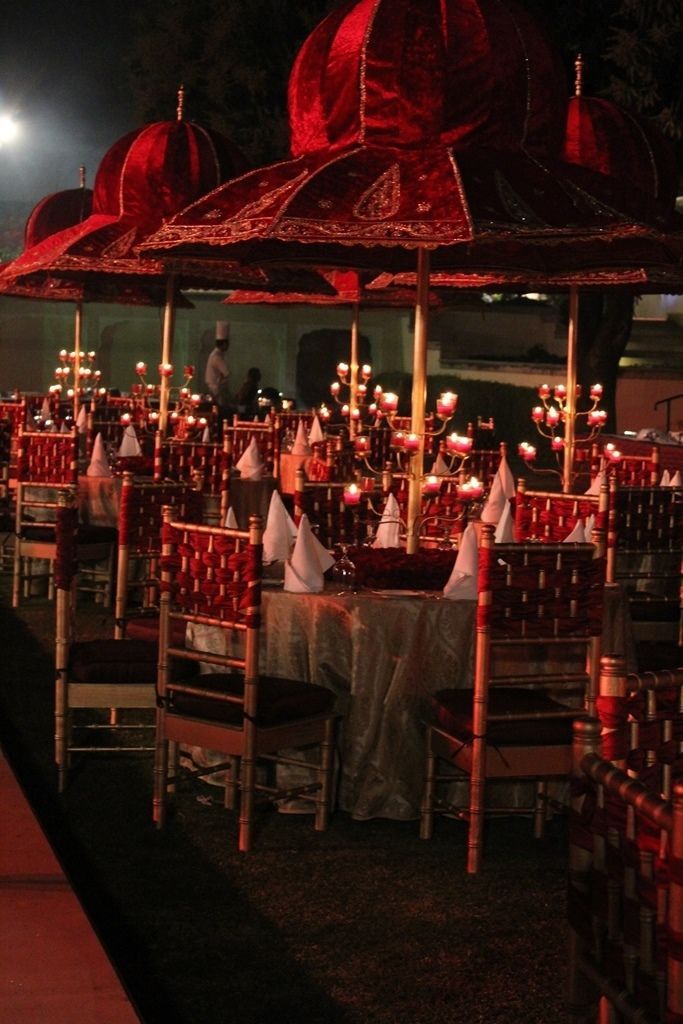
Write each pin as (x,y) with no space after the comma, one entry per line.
(52,966)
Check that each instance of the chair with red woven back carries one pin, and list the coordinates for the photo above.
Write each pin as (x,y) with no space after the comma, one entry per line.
(211,576)
(239,435)
(645,549)
(539,622)
(625,895)
(206,462)
(95,678)
(333,520)
(139,527)
(550,516)
(47,462)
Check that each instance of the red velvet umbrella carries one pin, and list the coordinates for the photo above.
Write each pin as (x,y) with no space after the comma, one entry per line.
(436,126)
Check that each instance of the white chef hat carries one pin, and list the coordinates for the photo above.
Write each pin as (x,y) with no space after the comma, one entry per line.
(222,330)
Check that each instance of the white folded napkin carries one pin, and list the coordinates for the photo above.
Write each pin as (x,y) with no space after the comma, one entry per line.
(99,465)
(389,530)
(280,532)
(45,411)
(64,429)
(597,483)
(130,446)
(507,479)
(206,436)
(496,501)
(301,445)
(440,467)
(462,583)
(315,434)
(675,480)
(304,570)
(231,520)
(505,531)
(666,479)
(82,420)
(577,535)
(250,463)
(588,527)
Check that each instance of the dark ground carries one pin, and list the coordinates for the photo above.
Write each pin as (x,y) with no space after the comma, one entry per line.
(364,924)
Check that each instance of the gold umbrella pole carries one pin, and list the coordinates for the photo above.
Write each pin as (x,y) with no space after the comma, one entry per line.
(166,350)
(353,387)
(419,398)
(570,407)
(78,339)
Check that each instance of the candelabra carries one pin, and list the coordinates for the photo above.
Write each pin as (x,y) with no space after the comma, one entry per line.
(351,395)
(185,418)
(85,378)
(553,416)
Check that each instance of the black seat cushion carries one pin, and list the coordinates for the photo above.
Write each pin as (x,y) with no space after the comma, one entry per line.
(280,700)
(653,655)
(86,534)
(453,713)
(146,627)
(121,662)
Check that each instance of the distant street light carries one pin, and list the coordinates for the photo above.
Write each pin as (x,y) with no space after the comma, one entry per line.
(9,129)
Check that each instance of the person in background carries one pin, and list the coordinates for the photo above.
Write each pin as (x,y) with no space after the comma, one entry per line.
(248,395)
(217,371)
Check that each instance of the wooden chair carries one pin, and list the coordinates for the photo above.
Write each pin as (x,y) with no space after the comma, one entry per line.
(549,516)
(139,550)
(239,434)
(47,462)
(333,521)
(539,619)
(205,462)
(625,898)
(645,553)
(94,677)
(212,576)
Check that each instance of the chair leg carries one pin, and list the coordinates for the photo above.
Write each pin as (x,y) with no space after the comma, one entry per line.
(322,804)
(540,808)
(62,732)
(248,779)
(16,575)
(427,809)
(160,772)
(476,809)
(232,774)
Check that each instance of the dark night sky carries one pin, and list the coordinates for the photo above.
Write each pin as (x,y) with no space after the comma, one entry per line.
(61,75)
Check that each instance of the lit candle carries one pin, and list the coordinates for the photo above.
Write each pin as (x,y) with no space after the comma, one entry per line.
(552,416)
(412,443)
(398,439)
(203,422)
(471,490)
(153,416)
(334,388)
(342,370)
(544,391)
(125,419)
(526,451)
(446,403)
(355,414)
(557,443)
(63,355)
(596,391)
(196,399)
(166,369)
(377,392)
(362,391)
(431,485)
(352,494)
(324,412)
(560,391)
(345,410)
(141,369)
(389,401)
(188,372)
(91,357)
(361,443)
(366,371)
(538,414)
(458,443)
